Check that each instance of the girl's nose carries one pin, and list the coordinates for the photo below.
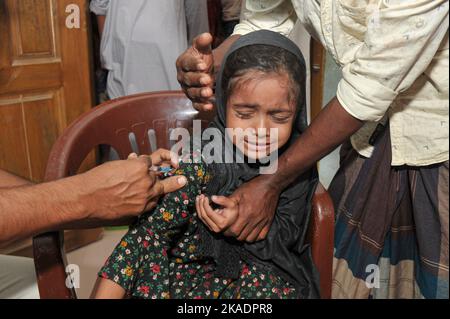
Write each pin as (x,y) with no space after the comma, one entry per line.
(262,123)
(262,128)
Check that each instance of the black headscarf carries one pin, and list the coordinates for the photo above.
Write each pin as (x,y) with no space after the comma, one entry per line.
(285,250)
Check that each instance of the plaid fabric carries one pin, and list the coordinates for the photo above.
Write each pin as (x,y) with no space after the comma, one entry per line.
(391,227)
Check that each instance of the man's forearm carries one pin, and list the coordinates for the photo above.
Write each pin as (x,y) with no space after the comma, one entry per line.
(28,210)
(332,127)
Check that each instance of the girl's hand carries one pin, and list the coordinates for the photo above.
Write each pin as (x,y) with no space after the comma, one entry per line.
(217,220)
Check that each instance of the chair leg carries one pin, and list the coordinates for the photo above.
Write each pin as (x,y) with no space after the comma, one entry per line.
(321,237)
(50,264)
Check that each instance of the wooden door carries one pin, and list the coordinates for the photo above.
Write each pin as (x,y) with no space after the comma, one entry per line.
(45,79)
(45,84)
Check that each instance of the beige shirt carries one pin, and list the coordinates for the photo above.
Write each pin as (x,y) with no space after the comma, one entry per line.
(395,60)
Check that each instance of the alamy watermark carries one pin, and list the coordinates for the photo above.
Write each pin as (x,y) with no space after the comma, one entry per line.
(260,145)
(73,276)
(73,17)
(373,277)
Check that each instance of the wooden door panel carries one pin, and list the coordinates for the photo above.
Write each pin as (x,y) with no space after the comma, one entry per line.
(12,139)
(20,79)
(76,62)
(32,28)
(30,124)
(45,80)
(43,123)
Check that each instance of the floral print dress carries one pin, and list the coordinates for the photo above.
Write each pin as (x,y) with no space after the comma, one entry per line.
(158,258)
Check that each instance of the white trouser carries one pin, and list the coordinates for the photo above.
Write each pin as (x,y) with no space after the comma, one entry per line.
(17,278)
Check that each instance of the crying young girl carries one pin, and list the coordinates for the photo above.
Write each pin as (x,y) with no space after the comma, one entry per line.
(171,253)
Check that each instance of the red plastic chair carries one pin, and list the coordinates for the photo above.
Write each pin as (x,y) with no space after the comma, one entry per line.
(149,117)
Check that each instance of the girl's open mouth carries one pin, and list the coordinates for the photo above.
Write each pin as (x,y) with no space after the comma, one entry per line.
(258,146)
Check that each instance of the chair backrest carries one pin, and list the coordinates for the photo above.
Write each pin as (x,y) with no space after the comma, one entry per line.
(146,119)
(149,117)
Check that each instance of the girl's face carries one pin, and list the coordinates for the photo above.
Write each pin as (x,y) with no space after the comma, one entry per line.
(261,101)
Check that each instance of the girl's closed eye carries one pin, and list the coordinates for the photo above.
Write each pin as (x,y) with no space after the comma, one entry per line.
(281,117)
(244,115)
(244,111)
